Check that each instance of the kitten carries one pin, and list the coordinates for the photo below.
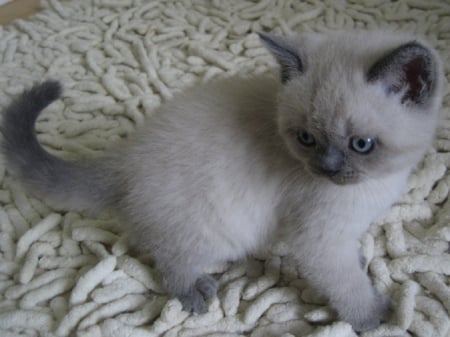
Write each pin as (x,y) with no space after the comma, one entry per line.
(220,170)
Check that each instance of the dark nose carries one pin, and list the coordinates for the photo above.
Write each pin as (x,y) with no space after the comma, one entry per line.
(331,161)
(329,171)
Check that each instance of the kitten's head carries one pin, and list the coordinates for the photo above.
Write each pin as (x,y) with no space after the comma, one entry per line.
(355,106)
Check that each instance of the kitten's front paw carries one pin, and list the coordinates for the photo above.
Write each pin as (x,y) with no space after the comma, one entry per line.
(365,314)
(195,300)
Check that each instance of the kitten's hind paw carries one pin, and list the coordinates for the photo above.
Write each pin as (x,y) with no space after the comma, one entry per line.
(207,286)
(195,300)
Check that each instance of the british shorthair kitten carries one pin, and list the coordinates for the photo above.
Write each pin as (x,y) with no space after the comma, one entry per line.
(223,168)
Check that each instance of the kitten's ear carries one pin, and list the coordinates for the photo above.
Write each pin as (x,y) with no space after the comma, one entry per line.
(285,53)
(408,71)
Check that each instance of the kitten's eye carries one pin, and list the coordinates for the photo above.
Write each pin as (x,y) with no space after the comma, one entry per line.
(305,138)
(362,145)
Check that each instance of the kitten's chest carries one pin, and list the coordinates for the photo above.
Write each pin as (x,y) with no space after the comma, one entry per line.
(342,210)
(245,205)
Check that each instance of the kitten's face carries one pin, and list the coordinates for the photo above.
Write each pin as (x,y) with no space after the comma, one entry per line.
(349,115)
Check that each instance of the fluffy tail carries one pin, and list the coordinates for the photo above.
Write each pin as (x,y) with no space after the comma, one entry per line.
(74,185)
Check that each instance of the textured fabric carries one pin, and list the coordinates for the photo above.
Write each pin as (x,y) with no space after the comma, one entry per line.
(67,274)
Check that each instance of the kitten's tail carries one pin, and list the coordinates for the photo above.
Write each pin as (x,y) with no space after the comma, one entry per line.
(73,185)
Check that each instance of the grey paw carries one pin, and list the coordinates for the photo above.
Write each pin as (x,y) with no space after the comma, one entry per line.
(207,286)
(195,299)
(367,317)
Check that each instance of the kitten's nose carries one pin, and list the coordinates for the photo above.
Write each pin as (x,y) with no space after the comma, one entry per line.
(329,171)
(331,161)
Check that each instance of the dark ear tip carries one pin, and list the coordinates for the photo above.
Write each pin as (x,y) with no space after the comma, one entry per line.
(411,67)
(400,54)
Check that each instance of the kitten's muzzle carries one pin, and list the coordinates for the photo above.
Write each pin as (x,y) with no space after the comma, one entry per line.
(330,172)
(331,162)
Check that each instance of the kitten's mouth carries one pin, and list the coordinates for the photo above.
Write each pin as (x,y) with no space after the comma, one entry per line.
(337,177)
(342,180)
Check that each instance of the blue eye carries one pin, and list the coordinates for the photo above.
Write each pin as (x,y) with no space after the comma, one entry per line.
(305,138)
(362,145)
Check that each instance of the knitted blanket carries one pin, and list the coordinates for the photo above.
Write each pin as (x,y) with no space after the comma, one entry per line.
(68,274)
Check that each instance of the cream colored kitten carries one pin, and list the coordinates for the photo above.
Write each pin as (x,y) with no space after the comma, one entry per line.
(223,168)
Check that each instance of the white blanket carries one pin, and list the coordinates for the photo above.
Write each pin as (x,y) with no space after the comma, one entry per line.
(65,274)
